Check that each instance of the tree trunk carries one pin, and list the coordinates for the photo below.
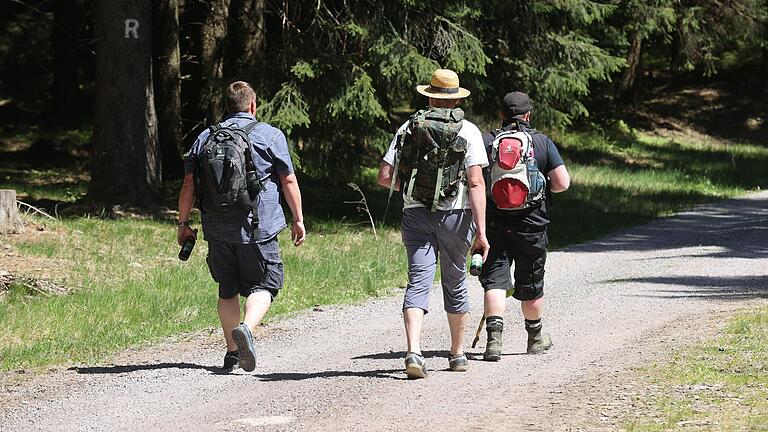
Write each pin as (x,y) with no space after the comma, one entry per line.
(245,47)
(208,43)
(10,221)
(167,82)
(629,80)
(274,48)
(67,26)
(125,167)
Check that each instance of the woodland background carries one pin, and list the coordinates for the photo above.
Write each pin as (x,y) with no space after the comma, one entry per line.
(337,76)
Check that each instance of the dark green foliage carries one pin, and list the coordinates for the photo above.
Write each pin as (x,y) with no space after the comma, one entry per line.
(339,77)
(348,67)
(546,50)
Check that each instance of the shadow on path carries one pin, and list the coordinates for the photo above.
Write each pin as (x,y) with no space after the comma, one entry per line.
(711,287)
(401,355)
(737,227)
(118,369)
(291,376)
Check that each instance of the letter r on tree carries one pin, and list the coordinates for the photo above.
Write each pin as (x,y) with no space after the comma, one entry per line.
(131,28)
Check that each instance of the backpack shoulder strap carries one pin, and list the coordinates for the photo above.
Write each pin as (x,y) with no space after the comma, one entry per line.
(398,149)
(250,126)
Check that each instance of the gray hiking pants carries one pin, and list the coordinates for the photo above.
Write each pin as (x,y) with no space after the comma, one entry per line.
(426,235)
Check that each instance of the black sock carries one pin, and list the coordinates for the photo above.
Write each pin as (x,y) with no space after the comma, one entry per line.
(533,324)
(494,322)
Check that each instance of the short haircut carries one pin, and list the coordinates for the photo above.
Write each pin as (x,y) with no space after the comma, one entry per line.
(238,96)
(507,119)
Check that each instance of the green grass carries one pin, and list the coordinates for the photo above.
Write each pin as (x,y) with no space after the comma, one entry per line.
(718,385)
(623,178)
(132,289)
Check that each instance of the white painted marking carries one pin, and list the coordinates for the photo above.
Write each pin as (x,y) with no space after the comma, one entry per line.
(265,421)
(131,28)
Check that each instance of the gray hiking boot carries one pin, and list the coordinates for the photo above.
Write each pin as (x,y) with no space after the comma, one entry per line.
(458,362)
(246,353)
(494,327)
(538,341)
(415,366)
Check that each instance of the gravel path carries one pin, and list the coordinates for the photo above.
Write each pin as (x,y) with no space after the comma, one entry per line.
(612,304)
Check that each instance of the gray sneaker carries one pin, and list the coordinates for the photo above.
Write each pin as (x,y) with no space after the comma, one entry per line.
(246,353)
(230,361)
(493,347)
(415,366)
(538,341)
(458,362)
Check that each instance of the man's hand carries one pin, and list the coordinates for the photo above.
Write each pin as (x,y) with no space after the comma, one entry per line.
(298,233)
(481,246)
(183,233)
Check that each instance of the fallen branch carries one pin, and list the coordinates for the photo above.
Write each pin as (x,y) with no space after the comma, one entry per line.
(35,209)
(32,285)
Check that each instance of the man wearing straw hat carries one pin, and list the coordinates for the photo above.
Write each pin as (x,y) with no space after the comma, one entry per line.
(436,159)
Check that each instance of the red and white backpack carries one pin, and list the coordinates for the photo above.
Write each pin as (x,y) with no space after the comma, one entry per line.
(515,180)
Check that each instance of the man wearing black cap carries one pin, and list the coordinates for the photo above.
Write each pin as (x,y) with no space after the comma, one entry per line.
(519,236)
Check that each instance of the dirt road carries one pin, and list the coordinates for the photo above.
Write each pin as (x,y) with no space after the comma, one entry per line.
(612,304)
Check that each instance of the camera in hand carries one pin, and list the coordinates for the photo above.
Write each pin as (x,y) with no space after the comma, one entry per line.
(186,248)
(476,264)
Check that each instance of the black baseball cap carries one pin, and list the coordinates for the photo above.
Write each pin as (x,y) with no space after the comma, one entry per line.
(516,103)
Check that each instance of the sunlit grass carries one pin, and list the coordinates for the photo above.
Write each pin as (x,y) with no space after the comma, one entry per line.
(721,384)
(623,179)
(133,288)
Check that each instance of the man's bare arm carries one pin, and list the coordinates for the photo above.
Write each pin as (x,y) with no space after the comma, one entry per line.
(186,201)
(477,204)
(386,171)
(292,195)
(559,179)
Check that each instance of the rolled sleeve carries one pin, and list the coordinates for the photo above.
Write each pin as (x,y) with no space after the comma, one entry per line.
(282,156)
(389,156)
(476,154)
(190,159)
(554,159)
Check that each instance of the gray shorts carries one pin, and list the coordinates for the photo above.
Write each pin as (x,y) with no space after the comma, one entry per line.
(427,235)
(245,268)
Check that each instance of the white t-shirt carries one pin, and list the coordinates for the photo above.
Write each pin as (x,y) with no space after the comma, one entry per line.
(475,155)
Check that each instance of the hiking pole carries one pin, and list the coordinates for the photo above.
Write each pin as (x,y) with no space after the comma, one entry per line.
(479,331)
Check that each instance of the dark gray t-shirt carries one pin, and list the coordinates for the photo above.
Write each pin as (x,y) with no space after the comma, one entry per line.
(269,150)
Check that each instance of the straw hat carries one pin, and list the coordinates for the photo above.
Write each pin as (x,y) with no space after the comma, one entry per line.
(443,85)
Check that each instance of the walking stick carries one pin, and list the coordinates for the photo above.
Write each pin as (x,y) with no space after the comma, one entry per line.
(479,331)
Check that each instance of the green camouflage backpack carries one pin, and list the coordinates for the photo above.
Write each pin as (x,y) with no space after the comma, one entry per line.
(430,156)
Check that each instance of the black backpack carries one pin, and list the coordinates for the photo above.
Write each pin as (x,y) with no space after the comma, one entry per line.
(226,176)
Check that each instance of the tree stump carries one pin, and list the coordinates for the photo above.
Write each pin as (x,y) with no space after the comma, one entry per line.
(10,221)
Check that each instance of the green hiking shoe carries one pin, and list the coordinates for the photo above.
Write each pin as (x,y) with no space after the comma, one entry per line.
(493,347)
(538,341)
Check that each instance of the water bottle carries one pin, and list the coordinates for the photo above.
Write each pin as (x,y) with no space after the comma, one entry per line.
(252,183)
(186,248)
(476,264)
